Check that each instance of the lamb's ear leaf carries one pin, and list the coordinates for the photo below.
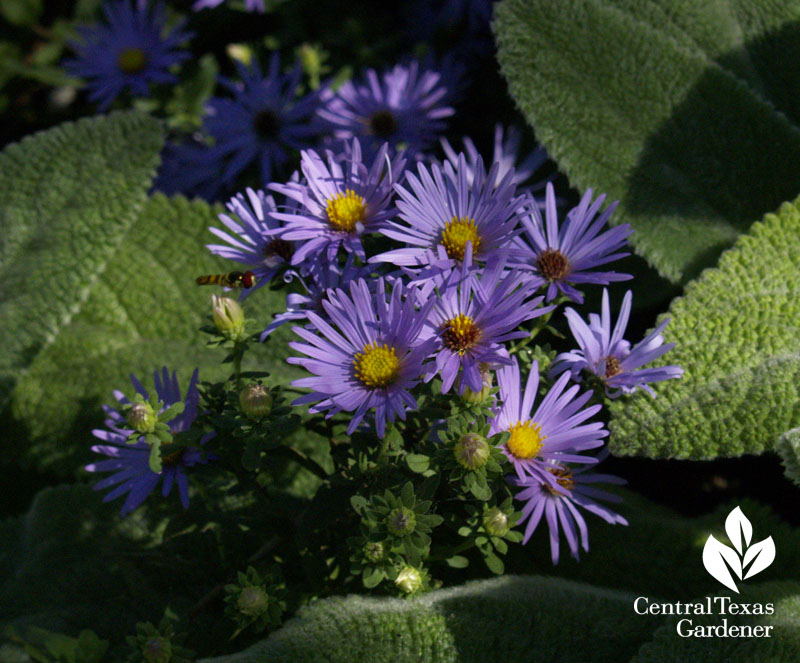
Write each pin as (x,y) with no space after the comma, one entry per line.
(639,117)
(143,312)
(69,196)
(503,619)
(735,335)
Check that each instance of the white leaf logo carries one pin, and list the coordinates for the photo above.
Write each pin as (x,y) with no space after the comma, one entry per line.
(723,562)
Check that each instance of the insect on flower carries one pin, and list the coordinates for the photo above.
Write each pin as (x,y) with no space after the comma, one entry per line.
(230,280)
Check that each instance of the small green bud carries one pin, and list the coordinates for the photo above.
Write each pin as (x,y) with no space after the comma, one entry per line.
(255,400)
(228,316)
(157,650)
(142,417)
(409,580)
(374,552)
(252,601)
(401,521)
(495,522)
(478,397)
(471,451)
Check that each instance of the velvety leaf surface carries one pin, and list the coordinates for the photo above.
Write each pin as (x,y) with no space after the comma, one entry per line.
(736,335)
(783,645)
(788,447)
(660,105)
(68,198)
(142,313)
(60,568)
(512,618)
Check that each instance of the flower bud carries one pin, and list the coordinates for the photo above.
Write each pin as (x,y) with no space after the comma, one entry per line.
(401,521)
(409,580)
(157,650)
(228,316)
(255,400)
(142,417)
(495,521)
(478,397)
(252,601)
(471,451)
(374,551)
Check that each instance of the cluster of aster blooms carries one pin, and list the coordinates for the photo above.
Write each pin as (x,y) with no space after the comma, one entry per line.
(414,290)
(265,117)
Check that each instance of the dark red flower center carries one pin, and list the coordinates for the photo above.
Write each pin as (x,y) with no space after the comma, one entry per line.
(552,264)
(278,247)
(266,124)
(383,124)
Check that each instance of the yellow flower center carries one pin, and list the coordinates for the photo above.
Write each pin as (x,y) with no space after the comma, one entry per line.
(132,60)
(460,333)
(457,232)
(526,439)
(376,365)
(345,210)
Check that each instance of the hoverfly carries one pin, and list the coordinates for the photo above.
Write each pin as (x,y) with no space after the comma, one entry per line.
(229,280)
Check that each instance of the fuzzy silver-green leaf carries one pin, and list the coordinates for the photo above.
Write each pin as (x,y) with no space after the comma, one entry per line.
(736,331)
(685,112)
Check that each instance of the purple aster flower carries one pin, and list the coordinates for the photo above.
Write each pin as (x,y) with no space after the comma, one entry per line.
(340,201)
(130,462)
(607,355)
(473,317)
(253,245)
(249,5)
(264,121)
(372,360)
(130,52)
(558,503)
(403,107)
(444,211)
(506,155)
(565,255)
(318,278)
(553,433)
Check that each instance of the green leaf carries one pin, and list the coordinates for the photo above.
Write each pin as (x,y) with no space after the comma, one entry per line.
(418,463)
(514,618)
(788,448)
(21,12)
(736,336)
(457,562)
(639,118)
(68,199)
(144,312)
(187,104)
(783,645)
(62,567)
